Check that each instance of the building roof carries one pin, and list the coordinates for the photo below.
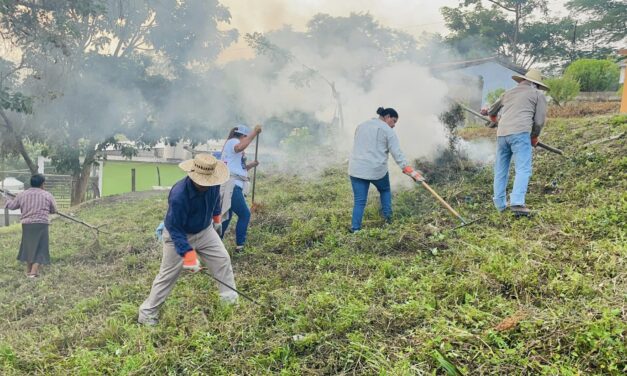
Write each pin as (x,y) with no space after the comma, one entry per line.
(456,65)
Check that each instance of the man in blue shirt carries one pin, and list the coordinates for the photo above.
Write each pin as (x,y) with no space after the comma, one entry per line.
(193,204)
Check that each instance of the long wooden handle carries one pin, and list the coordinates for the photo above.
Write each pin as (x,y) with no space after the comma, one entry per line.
(62,214)
(444,203)
(255,168)
(550,148)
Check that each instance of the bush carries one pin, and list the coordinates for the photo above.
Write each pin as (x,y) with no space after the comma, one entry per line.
(594,75)
(494,95)
(563,89)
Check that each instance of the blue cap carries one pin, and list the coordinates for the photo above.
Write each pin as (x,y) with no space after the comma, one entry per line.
(242,129)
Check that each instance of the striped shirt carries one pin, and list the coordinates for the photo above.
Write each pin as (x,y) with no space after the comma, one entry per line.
(35,204)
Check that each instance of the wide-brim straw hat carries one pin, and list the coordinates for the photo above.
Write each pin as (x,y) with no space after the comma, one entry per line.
(205,170)
(533,75)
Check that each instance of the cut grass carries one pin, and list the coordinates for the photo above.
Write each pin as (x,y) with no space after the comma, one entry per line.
(405,299)
(117,176)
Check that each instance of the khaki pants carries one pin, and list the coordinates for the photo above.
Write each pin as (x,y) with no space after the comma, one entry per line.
(213,255)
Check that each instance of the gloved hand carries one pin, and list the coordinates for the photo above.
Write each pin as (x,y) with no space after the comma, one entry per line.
(257,129)
(159,231)
(217,224)
(494,122)
(415,174)
(190,261)
(534,140)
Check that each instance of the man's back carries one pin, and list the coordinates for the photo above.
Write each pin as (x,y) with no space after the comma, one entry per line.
(522,108)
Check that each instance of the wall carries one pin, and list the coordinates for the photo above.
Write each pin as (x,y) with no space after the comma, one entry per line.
(495,76)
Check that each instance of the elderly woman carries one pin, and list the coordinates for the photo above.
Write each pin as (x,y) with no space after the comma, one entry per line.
(36,205)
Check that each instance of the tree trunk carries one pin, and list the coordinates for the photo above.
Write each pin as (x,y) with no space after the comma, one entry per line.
(517,27)
(18,142)
(79,188)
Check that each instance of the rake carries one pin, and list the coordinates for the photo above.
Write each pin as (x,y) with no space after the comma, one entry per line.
(66,216)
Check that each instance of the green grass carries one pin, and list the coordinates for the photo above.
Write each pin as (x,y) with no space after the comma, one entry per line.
(117,176)
(406,299)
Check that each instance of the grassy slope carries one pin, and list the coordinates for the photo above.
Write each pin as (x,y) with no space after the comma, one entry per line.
(117,176)
(388,300)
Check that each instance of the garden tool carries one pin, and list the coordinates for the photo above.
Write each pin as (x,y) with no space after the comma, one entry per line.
(492,124)
(97,228)
(255,205)
(448,207)
(207,272)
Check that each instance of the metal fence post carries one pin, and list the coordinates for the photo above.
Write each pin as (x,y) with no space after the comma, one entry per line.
(132,180)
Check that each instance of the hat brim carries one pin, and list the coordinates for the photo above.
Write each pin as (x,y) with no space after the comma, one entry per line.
(519,78)
(220,175)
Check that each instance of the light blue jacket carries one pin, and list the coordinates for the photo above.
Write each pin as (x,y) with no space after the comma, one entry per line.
(374,140)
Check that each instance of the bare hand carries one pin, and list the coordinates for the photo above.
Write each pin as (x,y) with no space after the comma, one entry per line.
(257,129)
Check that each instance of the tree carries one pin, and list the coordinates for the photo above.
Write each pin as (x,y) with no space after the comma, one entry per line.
(606,20)
(89,74)
(515,29)
(562,89)
(594,75)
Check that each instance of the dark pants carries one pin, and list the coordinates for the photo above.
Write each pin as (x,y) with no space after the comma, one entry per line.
(239,207)
(360,194)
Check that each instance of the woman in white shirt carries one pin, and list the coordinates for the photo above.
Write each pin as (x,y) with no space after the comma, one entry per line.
(232,192)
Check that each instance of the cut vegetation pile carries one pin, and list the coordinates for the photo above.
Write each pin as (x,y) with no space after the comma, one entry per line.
(541,296)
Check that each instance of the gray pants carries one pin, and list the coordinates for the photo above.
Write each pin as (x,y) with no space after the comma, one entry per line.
(212,254)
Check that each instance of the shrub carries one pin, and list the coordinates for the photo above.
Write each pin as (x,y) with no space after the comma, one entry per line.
(563,89)
(594,75)
(494,95)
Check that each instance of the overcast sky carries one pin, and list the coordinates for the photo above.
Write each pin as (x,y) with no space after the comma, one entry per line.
(412,16)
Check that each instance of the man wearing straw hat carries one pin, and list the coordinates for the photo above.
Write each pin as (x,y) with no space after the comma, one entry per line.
(193,204)
(522,116)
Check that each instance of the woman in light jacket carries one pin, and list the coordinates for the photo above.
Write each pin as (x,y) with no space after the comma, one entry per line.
(232,192)
(368,164)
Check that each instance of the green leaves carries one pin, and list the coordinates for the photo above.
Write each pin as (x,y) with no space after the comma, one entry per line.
(563,89)
(17,102)
(594,75)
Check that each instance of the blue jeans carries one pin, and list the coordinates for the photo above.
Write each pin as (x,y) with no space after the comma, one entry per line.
(360,194)
(239,207)
(518,147)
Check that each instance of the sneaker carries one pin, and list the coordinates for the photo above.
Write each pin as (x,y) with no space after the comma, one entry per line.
(147,321)
(520,210)
(239,249)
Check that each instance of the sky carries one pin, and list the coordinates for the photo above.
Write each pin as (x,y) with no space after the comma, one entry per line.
(411,16)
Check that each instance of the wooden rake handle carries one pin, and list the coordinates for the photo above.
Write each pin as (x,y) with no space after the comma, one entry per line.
(441,200)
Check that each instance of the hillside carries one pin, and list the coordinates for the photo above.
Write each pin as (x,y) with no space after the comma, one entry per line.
(546,295)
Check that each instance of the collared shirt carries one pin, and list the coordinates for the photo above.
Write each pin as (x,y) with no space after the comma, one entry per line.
(190,211)
(35,204)
(374,139)
(523,109)
(236,162)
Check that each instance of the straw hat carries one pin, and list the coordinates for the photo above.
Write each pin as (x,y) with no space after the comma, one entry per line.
(533,75)
(206,170)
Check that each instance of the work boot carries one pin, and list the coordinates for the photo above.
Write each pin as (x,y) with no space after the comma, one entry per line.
(239,249)
(520,210)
